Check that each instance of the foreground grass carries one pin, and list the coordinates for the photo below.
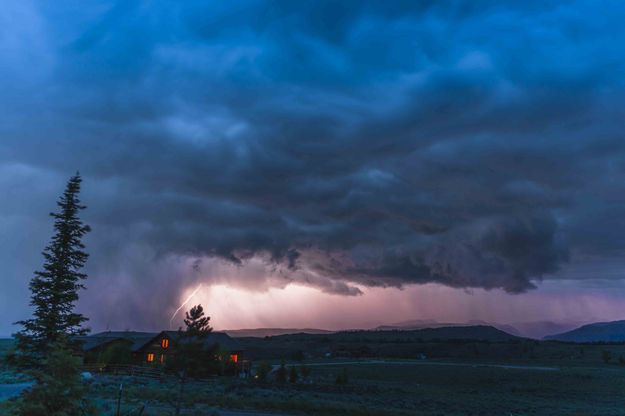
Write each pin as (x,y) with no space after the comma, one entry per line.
(432,390)
(400,389)
(391,387)
(235,394)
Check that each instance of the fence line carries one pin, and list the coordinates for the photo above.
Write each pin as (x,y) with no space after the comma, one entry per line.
(122,369)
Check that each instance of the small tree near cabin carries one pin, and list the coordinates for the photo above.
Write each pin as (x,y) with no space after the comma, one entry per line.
(45,346)
(197,325)
(192,356)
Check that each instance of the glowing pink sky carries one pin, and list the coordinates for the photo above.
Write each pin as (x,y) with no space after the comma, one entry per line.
(300,306)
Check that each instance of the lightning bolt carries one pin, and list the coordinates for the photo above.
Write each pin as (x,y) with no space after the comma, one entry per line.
(183,304)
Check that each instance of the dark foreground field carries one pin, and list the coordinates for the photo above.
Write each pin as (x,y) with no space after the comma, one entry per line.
(395,388)
(509,378)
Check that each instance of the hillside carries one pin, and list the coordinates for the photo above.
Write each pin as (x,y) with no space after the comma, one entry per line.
(419,324)
(598,332)
(540,329)
(442,342)
(475,332)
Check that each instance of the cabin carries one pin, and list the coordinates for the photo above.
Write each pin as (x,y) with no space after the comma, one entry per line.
(153,349)
(164,344)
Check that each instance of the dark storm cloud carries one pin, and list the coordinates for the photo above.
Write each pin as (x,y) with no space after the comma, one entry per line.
(344,143)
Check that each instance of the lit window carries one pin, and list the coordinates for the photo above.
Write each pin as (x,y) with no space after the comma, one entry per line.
(234,357)
(165,343)
(162,358)
(150,358)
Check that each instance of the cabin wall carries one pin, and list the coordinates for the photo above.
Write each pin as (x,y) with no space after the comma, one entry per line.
(156,353)
(114,352)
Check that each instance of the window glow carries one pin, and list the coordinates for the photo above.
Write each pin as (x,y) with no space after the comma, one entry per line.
(234,357)
(165,343)
(150,357)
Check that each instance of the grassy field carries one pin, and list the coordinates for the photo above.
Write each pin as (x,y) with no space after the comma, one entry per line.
(402,388)
(456,378)
(479,390)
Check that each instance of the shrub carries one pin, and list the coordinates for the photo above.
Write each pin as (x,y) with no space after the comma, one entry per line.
(304,371)
(342,378)
(281,373)
(606,356)
(298,356)
(264,368)
(293,375)
(117,354)
(58,391)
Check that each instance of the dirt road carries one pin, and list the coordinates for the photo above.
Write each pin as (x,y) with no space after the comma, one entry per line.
(426,362)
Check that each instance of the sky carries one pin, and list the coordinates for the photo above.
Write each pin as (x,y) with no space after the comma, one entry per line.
(319,163)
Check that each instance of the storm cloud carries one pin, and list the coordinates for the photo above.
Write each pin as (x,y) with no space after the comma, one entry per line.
(338,145)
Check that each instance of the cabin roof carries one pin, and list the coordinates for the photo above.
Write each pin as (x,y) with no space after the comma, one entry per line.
(136,339)
(88,343)
(139,340)
(212,338)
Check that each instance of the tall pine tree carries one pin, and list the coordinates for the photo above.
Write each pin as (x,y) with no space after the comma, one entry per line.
(45,343)
(55,288)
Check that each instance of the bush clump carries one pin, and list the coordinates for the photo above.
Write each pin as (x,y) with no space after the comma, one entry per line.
(342,378)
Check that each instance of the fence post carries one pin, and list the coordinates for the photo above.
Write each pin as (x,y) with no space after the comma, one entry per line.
(119,398)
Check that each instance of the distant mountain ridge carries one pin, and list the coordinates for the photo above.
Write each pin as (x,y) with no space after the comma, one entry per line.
(532,329)
(540,329)
(271,332)
(435,325)
(613,331)
(449,333)
(442,331)
(536,330)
